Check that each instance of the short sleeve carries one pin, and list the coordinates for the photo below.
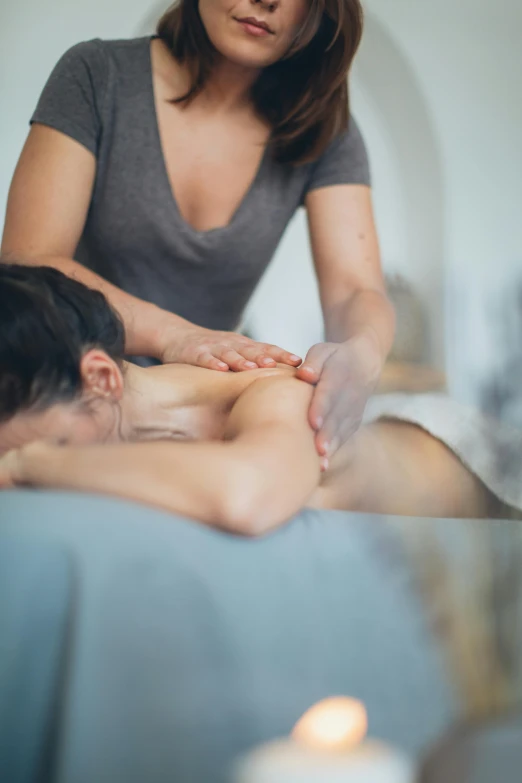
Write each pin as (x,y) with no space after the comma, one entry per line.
(344,162)
(72,99)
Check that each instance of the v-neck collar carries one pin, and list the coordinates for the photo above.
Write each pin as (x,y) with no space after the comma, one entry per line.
(163,166)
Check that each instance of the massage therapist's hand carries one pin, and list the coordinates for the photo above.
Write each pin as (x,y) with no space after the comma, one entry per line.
(345,375)
(220,350)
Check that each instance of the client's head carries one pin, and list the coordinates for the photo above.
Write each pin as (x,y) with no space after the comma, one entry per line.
(61,349)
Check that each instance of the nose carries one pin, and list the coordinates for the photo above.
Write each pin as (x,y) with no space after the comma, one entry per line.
(270,5)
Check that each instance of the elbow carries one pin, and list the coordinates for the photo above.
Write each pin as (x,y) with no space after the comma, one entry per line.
(256,499)
(247,507)
(243,516)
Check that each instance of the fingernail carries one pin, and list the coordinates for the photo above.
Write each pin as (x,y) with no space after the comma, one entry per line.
(295,358)
(222,364)
(319,422)
(252,365)
(268,361)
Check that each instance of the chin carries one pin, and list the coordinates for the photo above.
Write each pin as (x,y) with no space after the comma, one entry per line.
(246,54)
(251,63)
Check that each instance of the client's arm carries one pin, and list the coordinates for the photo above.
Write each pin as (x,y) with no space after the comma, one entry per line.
(257,478)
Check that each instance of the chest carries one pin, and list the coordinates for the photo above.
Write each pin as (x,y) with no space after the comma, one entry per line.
(211,162)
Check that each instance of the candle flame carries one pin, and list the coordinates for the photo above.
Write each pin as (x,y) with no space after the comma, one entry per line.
(338,723)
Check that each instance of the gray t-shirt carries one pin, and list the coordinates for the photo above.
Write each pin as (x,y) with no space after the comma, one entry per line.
(100,94)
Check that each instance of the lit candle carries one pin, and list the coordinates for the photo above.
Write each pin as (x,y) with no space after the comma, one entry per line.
(327,746)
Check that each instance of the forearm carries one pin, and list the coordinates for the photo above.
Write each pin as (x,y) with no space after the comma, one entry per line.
(145,323)
(188,479)
(237,486)
(367,314)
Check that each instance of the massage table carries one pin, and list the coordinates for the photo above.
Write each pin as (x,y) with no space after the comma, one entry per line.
(140,647)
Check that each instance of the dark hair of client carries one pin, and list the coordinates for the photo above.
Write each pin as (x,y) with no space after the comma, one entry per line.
(47,323)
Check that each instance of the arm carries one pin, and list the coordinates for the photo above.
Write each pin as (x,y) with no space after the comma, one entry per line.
(359,318)
(46,212)
(257,478)
(347,262)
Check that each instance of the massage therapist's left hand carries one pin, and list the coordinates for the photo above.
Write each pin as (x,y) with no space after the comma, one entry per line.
(358,317)
(345,375)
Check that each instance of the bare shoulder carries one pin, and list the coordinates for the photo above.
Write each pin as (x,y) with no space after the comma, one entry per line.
(274,398)
(278,391)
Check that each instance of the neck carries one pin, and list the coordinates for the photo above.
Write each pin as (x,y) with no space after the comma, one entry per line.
(227,89)
(229,86)
(170,398)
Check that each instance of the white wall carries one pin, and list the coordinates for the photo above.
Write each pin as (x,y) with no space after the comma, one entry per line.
(33,35)
(467,62)
(436,91)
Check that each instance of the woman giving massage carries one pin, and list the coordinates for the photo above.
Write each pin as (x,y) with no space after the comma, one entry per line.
(233,450)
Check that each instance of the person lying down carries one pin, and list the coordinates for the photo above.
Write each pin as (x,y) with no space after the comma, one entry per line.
(233,450)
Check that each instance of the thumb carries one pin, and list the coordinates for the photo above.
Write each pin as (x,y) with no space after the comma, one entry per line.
(312,367)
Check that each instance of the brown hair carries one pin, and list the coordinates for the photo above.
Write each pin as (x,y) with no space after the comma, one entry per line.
(303,96)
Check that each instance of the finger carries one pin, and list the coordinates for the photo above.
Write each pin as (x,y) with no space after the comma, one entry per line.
(322,444)
(342,421)
(280,355)
(321,405)
(331,391)
(234,359)
(328,436)
(324,464)
(255,354)
(247,351)
(307,374)
(327,442)
(263,355)
(210,362)
(317,356)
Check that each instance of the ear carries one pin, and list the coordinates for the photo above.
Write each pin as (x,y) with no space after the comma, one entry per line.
(101,376)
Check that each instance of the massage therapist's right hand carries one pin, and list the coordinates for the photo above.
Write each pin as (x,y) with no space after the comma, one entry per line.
(220,350)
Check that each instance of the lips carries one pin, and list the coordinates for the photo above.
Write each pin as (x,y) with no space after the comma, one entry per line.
(251,21)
